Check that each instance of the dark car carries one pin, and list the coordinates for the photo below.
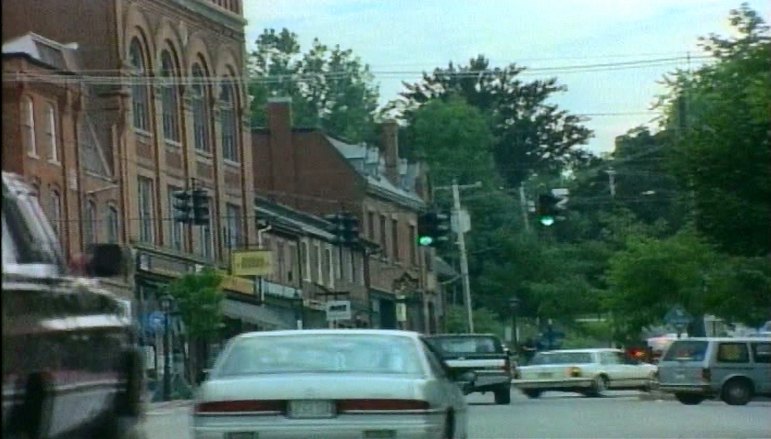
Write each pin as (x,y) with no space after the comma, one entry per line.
(482,354)
(70,363)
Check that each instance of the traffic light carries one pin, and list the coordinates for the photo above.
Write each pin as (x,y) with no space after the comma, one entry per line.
(433,229)
(350,228)
(182,206)
(345,227)
(547,209)
(200,207)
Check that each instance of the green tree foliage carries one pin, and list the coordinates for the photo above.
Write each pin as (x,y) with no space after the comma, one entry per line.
(199,297)
(485,321)
(330,88)
(720,124)
(531,134)
(652,275)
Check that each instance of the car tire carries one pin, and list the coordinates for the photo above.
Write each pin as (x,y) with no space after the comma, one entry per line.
(689,398)
(449,427)
(532,393)
(599,386)
(503,395)
(33,417)
(737,391)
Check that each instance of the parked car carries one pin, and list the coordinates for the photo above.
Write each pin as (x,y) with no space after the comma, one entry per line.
(734,369)
(483,354)
(70,365)
(587,371)
(326,383)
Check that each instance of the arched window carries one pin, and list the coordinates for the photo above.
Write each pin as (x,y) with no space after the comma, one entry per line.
(169,98)
(199,100)
(89,223)
(28,126)
(139,92)
(228,122)
(111,221)
(51,137)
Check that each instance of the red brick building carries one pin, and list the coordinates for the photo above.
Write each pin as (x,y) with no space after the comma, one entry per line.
(314,172)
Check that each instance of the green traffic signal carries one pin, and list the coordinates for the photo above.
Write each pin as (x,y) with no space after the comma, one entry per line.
(425,241)
(546,220)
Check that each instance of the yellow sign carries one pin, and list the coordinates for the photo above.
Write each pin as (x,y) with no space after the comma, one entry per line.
(237,284)
(251,263)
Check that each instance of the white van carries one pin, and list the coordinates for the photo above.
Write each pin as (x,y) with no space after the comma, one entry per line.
(734,369)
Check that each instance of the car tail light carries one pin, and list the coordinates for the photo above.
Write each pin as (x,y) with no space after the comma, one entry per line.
(241,406)
(384,405)
(706,374)
(574,372)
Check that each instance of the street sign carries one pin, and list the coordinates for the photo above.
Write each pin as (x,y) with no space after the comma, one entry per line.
(338,310)
(251,263)
(678,316)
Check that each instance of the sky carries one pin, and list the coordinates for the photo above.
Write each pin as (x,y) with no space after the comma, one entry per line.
(410,37)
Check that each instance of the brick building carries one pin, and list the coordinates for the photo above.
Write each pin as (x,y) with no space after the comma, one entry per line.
(314,172)
(166,103)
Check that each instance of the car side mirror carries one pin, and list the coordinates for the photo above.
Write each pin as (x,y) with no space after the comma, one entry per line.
(106,260)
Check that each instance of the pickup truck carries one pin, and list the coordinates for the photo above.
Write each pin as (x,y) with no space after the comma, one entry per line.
(483,354)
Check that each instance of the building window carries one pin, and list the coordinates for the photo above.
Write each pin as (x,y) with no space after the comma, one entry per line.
(233,222)
(293,264)
(139,100)
(371,226)
(146,203)
(53,147)
(89,224)
(112,224)
(329,269)
(395,238)
(413,245)
(169,98)
(206,244)
(56,213)
(319,268)
(384,235)
(175,227)
(199,95)
(228,122)
(28,125)
(305,258)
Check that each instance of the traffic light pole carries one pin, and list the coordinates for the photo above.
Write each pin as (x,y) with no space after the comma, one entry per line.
(463,257)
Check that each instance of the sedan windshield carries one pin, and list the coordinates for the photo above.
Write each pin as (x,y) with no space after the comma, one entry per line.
(322,354)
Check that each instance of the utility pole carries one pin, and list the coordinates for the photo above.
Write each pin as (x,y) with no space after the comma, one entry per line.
(456,210)
(612,182)
(523,206)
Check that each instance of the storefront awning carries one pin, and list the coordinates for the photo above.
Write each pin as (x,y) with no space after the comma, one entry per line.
(255,314)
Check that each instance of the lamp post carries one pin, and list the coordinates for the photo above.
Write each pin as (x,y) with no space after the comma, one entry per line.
(166,304)
(514,306)
(298,311)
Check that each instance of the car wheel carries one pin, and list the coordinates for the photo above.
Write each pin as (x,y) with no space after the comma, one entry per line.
(737,392)
(599,386)
(32,421)
(503,396)
(689,398)
(532,393)
(449,427)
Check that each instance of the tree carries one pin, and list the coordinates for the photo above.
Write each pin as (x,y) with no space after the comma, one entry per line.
(718,117)
(530,133)
(330,88)
(199,297)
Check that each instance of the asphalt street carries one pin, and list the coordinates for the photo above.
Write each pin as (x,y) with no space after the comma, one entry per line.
(564,415)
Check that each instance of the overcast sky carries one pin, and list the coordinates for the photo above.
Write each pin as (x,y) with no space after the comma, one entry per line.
(411,36)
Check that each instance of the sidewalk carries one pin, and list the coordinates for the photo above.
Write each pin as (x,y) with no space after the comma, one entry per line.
(167,405)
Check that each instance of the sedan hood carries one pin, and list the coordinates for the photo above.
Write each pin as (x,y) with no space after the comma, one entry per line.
(310,386)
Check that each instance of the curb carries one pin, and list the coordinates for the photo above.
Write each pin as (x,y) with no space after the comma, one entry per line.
(167,405)
(655,395)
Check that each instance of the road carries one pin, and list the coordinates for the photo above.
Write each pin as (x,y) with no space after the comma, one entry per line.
(563,415)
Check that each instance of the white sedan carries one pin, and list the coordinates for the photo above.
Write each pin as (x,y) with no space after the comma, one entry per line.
(329,383)
(587,371)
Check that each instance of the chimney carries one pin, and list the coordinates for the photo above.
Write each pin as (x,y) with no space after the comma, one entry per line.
(389,140)
(283,173)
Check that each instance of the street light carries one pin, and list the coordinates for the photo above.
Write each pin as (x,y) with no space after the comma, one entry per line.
(298,311)
(514,306)
(167,302)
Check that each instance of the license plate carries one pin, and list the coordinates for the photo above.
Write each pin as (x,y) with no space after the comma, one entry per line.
(311,409)
(242,435)
(379,434)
